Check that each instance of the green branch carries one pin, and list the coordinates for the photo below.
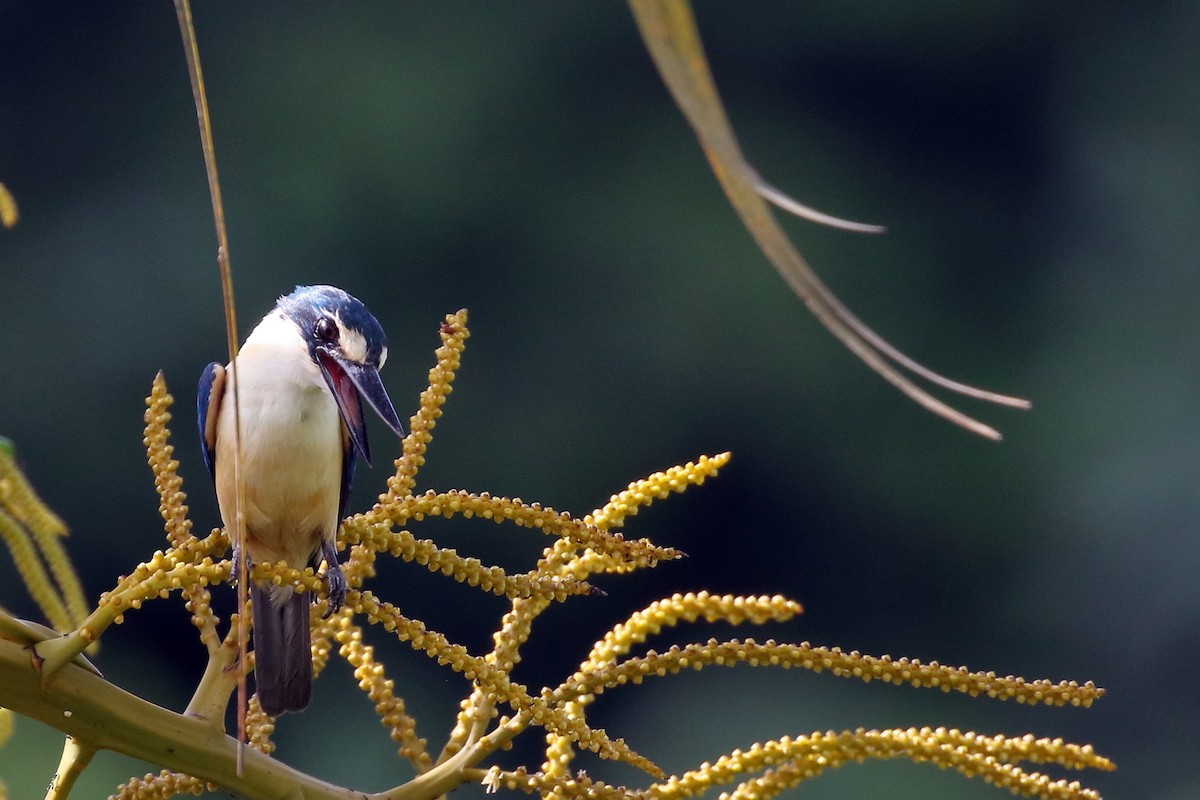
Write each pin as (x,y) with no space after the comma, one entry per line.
(100,715)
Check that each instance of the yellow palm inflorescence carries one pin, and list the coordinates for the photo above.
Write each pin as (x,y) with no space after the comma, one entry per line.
(498,708)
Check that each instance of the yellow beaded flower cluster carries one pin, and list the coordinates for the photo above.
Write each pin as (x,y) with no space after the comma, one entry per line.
(499,708)
(8,208)
(33,535)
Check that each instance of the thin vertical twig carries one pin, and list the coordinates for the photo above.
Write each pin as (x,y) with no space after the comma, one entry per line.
(192,51)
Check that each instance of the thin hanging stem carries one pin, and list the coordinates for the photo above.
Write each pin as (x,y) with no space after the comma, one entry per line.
(184,11)
(669,30)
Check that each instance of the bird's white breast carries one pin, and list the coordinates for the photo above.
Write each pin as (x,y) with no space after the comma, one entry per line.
(291,447)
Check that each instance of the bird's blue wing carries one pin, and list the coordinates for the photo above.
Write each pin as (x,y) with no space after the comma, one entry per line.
(208,407)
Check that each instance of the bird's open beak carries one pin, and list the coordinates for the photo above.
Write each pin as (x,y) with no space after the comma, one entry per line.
(351,382)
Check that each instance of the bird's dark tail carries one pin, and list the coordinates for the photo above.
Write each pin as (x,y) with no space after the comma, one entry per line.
(282,655)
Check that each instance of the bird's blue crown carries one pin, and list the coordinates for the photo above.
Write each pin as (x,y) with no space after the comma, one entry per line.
(308,304)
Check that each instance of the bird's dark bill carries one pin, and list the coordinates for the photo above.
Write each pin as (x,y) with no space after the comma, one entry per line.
(349,404)
(351,383)
(371,388)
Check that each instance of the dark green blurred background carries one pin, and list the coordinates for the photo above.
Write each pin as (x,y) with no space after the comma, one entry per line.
(1038,166)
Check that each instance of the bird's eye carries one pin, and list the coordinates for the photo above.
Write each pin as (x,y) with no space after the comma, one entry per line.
(326,329)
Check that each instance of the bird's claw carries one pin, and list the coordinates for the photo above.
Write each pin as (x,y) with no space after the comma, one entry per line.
(335,581)
(234,560)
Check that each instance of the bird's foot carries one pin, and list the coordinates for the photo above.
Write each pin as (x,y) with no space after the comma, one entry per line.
(235,559)
(335,579)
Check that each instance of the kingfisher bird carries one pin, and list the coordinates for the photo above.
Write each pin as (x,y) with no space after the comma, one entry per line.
(303,373)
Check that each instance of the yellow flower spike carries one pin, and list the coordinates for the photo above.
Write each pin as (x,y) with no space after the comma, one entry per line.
(23,503)
(389,707)
(687,607)
(640,626)
(475,712)
(560,751)
(359,565)
(962,752)
(589,562)
(514,631)
(402,544)
(9,214)
(36,531)
(159,453)
(551,787)
(494,681)
(324,630)
(507,640)
(792,760)
(658,486)
(37,581)
(454,334)
(550,522)
(259,727)
(160,787)
(602,676)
